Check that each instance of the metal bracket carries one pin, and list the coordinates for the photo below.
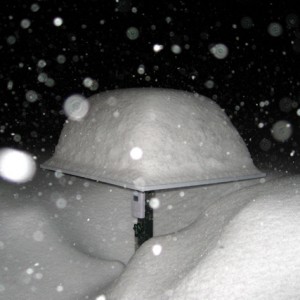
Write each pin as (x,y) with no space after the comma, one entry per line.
(143,229)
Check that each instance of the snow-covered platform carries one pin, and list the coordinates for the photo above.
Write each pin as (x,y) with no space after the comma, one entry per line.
(153,139)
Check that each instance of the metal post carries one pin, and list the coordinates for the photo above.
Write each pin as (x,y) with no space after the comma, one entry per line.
(141,210)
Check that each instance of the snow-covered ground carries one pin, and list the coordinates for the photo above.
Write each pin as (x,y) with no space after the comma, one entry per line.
(69,238)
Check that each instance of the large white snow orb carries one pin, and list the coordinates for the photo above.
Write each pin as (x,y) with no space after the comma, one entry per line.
(136,153)
(145,141)
(16,166)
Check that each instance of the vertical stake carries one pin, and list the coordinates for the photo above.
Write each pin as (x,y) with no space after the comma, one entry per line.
(143,229)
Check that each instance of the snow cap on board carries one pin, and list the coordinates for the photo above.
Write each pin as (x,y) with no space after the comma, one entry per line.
(150,139)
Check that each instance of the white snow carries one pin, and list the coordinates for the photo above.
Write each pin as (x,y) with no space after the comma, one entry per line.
(38,259)
(242,246)
(159,137)
(64,237)
(16,166)
(234,240)
(58,21)
(157,47)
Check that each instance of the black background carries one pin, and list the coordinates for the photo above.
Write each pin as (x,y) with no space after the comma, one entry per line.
(93,40)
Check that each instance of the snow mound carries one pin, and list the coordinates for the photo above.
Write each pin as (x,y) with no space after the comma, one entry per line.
(36,263)
(243,246)
(150,139)
(230,241)
(257,255)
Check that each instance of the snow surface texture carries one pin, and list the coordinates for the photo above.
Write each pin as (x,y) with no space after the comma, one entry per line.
(243,246)
(69,238)
(152,137)
(36,260)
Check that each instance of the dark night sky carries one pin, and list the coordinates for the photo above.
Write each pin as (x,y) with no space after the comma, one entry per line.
(257,83)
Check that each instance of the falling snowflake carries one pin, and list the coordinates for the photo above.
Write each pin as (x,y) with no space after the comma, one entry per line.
(219,51)
(58,21)
(176,49)
(136,153)
(275,29)
(16,166)
(156,249)
(282,131)
(132,33)
(154,203)
(76,107)
(60,288)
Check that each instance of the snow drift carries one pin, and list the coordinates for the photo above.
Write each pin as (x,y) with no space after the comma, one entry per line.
(231,241)
(150,139)
(244,245)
